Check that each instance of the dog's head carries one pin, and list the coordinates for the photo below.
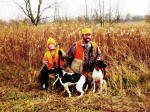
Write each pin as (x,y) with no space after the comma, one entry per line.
(100,64)
(57,71)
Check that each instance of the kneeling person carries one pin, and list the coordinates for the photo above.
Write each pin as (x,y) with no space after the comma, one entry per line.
(53,57)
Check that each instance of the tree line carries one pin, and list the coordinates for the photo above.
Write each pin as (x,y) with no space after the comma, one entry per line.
(113,15)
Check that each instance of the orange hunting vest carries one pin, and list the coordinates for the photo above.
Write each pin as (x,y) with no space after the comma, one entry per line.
(77,63)
(48,57)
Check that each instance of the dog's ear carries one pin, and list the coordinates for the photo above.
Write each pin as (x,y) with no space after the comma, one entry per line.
(99,62)
(105,65)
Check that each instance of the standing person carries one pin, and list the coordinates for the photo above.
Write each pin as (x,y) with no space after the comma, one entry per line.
(52,57)
(82,55)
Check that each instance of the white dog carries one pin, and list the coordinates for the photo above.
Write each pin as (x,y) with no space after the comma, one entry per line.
(98,75)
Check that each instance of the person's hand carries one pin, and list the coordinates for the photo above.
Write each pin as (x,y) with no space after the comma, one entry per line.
(68,69)
(45,61)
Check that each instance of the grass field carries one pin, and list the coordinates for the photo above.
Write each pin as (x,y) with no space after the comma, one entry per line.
(125,48)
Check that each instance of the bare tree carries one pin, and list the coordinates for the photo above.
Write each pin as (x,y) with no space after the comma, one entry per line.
(147,17)
(118,13)
(56,11)
(86,8)
(114,14)
(35,19)
(117,16)
(103,17)
(100,8)
(128,17)
(110,13)
(99,13)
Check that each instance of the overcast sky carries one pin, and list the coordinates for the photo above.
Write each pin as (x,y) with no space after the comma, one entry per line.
(73,8)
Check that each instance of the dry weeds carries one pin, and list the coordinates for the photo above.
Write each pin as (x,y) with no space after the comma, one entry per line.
(125,48)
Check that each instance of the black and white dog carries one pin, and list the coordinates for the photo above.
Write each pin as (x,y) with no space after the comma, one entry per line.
(99,75)
(68,79)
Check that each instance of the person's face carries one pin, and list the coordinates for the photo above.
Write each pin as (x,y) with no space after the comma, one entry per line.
(51,46)
(86,37)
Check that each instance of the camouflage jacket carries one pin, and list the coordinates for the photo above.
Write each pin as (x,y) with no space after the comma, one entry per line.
(90,57)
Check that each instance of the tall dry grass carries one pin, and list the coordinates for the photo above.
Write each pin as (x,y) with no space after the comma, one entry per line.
(125,48)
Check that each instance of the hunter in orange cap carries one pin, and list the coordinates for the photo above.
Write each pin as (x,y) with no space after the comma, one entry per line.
(82,55)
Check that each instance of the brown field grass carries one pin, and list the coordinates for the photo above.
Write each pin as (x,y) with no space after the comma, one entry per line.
(125,48)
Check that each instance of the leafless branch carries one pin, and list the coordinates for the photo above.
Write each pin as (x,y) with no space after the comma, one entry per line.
(28,11)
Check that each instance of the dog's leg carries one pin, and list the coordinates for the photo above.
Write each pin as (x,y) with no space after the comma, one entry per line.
(67,89)
(79,87)
(94,86)
(86,88)
(105,85)
(80,84)
(101,85)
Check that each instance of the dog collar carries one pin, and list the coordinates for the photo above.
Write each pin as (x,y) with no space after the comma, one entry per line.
(97,68)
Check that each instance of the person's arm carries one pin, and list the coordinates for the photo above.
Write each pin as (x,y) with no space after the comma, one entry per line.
(45,60)
(69,57)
